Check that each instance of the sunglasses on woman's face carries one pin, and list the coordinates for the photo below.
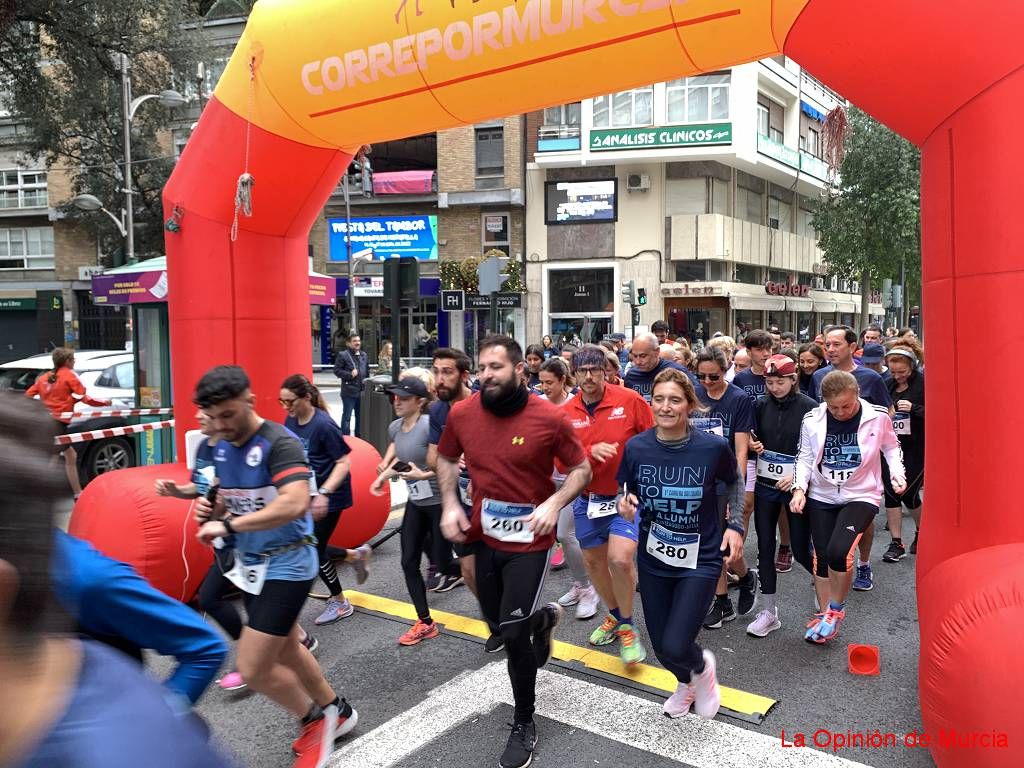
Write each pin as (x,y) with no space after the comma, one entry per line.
(709,376)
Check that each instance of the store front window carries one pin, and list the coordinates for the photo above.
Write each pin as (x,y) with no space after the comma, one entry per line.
(746,321)
(581,303)
(804,326)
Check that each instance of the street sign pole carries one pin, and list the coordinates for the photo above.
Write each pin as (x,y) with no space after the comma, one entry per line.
(393,267)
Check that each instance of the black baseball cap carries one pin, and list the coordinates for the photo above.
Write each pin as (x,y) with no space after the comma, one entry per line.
(409,386)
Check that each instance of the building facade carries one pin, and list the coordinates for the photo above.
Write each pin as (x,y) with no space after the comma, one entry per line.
(699,190)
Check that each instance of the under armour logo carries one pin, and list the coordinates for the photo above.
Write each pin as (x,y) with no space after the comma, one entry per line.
(517,612)
(851,528)
(518,440)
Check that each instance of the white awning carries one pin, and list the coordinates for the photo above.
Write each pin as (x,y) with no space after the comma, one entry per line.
(799,305)
(846,306)
(770,303)
(876,309)
(824,306)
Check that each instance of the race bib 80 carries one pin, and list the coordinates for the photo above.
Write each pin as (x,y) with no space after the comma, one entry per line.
(772,466)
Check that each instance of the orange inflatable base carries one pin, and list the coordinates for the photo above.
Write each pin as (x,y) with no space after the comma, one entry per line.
(123,518)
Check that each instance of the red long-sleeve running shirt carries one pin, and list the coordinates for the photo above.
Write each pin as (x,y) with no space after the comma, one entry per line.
(60,396)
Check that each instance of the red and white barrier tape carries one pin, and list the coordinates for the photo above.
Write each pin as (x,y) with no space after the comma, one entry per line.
(121,412)
(99,434)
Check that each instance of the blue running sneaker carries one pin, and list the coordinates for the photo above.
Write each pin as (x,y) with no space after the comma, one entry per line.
(828,627)
(812,627)
(863,581)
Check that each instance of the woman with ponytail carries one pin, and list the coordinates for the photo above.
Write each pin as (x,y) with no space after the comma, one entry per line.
(327,453)
(59,389)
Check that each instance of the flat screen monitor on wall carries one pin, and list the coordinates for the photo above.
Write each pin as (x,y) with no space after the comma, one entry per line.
(581,202)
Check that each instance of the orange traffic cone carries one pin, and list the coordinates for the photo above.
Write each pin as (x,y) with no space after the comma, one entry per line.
(863,659)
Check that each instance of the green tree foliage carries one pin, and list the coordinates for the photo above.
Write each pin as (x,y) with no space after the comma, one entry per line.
(873,220)
(60,74)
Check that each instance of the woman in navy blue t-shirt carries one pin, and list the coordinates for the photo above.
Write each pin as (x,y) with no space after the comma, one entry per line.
(327,453)
(669,475)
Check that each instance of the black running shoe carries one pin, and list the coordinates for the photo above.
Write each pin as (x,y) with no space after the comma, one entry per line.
(748,592)
(895,552)
(542,639)
(448,583)
(494,643)
(913,545)
(721,610)
(519,749)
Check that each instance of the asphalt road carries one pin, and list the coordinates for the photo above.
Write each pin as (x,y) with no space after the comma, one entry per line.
(446,703)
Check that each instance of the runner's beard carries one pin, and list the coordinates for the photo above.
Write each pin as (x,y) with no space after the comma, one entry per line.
(496,395)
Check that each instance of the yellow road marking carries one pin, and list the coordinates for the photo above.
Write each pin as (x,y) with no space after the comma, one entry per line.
(645,674)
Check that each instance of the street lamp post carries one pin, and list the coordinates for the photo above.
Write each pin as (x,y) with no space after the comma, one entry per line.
(129,107)
(353,312)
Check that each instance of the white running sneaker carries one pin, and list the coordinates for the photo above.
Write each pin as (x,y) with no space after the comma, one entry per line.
(678,704)
(707,697)
(765,623)
(588,603)
(572,596)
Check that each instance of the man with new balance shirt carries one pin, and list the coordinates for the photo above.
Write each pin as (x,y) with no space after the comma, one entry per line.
(262,509)
(647,365)
(604,418)
(840,345)
(509,441)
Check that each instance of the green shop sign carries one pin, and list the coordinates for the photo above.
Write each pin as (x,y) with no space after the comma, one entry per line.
(608,139)
(17,303)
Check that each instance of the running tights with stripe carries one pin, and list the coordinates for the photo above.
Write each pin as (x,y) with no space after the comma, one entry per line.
(509,587)
(766,519)
(323,529)
(674,609)
(836,529)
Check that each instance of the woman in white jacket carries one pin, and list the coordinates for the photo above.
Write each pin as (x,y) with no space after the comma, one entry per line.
(838,484)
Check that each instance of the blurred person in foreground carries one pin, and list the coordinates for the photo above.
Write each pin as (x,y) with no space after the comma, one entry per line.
(66,701)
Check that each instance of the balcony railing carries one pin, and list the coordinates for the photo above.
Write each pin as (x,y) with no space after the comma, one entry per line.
(558,138)
(25,198)
(812,166)
(778,151)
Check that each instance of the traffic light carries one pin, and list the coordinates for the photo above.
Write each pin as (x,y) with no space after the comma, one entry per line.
(406,272)
(629,292)
(641,296)
(636,315)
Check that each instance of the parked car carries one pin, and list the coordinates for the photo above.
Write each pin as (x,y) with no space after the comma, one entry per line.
(107,375)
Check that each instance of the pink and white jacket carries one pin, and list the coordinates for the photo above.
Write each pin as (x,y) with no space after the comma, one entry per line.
(876,440)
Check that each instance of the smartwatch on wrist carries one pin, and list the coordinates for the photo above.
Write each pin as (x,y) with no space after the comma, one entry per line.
(323,491)
(228,527)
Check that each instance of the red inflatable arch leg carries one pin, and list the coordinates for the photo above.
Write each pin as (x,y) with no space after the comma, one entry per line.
(123,518)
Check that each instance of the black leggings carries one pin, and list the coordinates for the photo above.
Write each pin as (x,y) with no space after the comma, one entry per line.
(766,519)
(323,529)
(674,609)
(509,588)
(836,529)
(213,589)
(418,523)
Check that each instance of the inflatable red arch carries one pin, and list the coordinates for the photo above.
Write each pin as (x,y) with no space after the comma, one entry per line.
(312,80)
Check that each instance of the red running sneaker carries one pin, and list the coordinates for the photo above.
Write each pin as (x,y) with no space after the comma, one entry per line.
(317,741)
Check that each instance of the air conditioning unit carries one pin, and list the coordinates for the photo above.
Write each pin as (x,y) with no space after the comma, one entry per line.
(818,283)
(833,283)
(854,286)
(638,182)
(843,286)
